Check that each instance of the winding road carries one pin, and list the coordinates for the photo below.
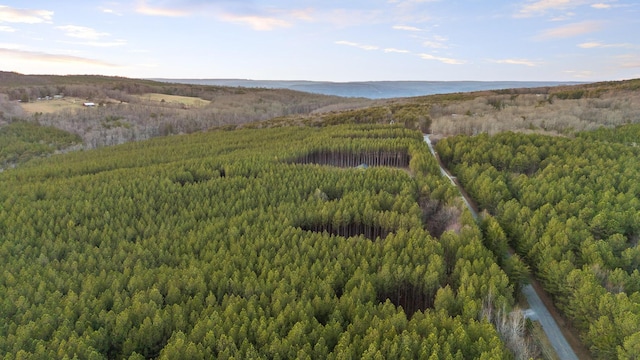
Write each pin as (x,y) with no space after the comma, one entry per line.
(538,311)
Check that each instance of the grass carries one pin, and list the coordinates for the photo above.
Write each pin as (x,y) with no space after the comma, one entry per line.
(175,99)
(57,105)
(52,106)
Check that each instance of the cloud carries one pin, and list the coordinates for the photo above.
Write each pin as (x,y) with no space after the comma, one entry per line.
(303,14)
(350,18)
(92,37)
(81,32)
(410,1)
(436,42)
(524,62)
(393,50)
(257,19)
(372,47)
(580,73)
(406,28)
(114,43)
(434,45)
(404,4)
(629,61)
(359,46)
(631,65)
(110,11)
(563,17)
(570,30)
(590,45)
(442,59)
(143,8)
(541,7)
(26,16)
(49,58)
(9,46)
(594,45)
(7,29)
(260,23)
(601,6)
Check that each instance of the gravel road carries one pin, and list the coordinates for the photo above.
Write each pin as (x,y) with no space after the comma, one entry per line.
(538,311)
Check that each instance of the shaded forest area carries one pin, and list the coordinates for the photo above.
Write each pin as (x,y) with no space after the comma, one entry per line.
(365,159)
(370,232)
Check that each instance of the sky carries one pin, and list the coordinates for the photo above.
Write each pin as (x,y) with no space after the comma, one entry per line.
(325,40)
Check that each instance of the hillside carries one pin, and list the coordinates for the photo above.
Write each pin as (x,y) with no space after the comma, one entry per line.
(132,110)
(561,110)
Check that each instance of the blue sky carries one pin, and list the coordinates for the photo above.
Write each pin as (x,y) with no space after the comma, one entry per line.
(325,40)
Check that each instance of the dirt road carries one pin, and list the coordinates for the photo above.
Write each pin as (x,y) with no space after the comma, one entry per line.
(538,310)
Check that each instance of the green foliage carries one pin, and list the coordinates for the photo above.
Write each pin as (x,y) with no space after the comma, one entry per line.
(574,94)
(21,141)
(411,116)
(626,134)
(193,247)
(572,212)
(370,115)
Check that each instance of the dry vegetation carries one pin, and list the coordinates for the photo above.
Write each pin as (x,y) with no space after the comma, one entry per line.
(182,101)
(535,112)
(552,110)
(130,109)
(52,106)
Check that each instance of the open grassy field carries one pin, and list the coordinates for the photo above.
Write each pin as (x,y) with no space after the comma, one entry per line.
(175,99)
(57,105)
(52,106)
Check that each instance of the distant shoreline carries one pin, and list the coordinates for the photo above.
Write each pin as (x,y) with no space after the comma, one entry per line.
(374,89)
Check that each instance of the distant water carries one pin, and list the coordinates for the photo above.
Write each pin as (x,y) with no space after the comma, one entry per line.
(374,89)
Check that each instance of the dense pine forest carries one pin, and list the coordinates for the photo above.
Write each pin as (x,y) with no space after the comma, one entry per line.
(571,208)
(21,141)
(226,244)
(177,221)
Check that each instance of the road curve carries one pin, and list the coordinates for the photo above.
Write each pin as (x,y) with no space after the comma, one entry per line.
(540,311)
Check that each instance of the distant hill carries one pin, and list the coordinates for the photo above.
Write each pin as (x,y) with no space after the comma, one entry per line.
(374,89)
(138,109)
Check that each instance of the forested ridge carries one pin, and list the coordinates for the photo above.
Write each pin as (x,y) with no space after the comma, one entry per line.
(217,244)
(571,208)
